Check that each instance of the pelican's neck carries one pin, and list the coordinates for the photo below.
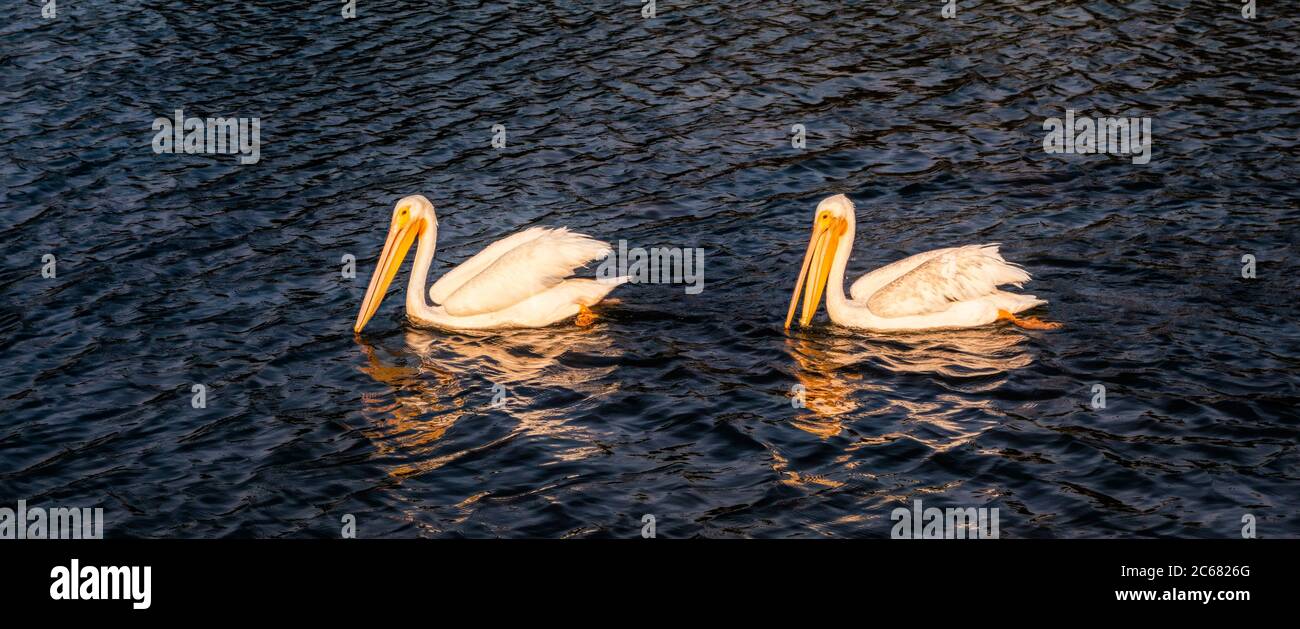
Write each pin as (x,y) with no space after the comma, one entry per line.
(425,245)
(835,300)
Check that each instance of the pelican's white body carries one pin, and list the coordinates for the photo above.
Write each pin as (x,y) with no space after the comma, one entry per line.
(954,287)
(521,281)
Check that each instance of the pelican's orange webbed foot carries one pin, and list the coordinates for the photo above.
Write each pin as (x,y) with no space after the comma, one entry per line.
(585,316)
(1028,323)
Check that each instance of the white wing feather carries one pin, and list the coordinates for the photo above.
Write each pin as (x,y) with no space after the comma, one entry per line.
(455,278)
(952,275)
(533,265)
(877,279)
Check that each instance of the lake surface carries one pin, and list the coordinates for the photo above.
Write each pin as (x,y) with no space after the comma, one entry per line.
(175,270)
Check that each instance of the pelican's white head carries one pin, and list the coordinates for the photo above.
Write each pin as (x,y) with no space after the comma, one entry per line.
(411,215)
(416,208)
(830,222)
(838,206)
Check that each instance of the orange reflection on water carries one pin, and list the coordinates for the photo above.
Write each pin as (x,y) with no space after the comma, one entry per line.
(425,403)
(448,386)
(833,369)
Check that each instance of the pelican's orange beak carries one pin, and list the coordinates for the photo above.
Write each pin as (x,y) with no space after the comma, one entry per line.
(400,236)
(827,230)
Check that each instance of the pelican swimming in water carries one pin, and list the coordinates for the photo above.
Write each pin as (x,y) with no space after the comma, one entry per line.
(522,281)
(948,288)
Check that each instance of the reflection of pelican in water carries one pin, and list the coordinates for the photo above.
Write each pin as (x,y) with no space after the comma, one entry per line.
(462,377)
(425,402)
(834,371)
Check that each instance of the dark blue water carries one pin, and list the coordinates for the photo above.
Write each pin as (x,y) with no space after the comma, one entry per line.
(181,269)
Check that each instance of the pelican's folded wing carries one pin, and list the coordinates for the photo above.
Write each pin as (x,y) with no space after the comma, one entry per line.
(873,281)
(958,274)
(529,267)
(455,278)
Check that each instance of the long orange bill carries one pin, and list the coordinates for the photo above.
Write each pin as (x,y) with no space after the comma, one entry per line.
(390,261)
(821,273)
(803,272)
(819,258)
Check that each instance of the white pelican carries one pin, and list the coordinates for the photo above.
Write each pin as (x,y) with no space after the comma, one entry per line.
(522,281)
(955,287)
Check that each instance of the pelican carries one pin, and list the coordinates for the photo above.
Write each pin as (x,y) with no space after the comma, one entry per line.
(956,287)
(522,281)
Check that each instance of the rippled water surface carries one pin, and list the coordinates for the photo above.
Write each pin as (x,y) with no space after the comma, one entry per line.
(183,269)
